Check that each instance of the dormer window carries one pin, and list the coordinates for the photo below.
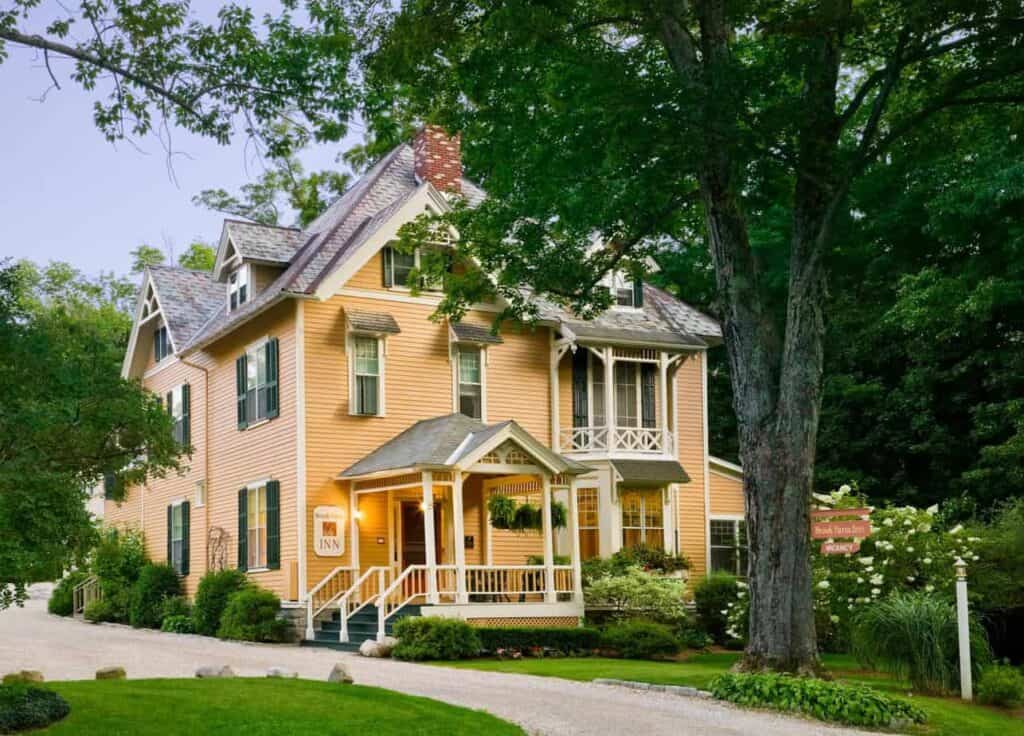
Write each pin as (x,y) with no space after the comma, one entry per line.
(238,287)
(161,343)
(626,292)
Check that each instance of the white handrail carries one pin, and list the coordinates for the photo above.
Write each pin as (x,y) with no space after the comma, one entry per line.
(345,613)
(655,440)
(313,608)
(85,593)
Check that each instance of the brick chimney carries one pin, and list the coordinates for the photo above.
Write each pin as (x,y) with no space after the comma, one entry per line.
(438,158)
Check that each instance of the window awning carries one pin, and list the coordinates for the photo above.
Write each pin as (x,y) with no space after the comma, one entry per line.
(375,323)
(649,473)
(473,334)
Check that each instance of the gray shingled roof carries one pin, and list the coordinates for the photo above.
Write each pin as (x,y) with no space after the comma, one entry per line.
(264,242)
(439,442)
(474,334)
(653,337)
(375,322)
(650,473)
(680,315)
(187,298)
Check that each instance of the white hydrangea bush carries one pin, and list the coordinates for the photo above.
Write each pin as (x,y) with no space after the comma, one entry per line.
(906,551)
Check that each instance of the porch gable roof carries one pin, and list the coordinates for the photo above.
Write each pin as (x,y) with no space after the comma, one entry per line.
(448,442)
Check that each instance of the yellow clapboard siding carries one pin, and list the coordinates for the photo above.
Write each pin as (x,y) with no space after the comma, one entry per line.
(726,493)
(692,524)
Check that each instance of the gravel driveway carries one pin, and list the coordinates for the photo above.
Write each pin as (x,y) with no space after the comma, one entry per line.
(65,649)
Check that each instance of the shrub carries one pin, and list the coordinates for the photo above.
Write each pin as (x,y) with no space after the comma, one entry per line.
(853,705)
(712,596)
(1001,685)
(118,559)
(651,559)
(23,708)
(176,605)
(252,615)
(433,637)
(640,640)
(692,637)
(61,600)
(914,637)
(212,598)
(156,583)
(539,560)
(102,610)
(637,593)
(177,624)
(566,641)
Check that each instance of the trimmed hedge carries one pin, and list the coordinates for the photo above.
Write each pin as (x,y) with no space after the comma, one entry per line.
(1001,685)
(433,637)
(711,595)
(853,705)
(567,641)
(641,640)
(156,584)
(23,708)
(102,611)
(61,601)
(212,598)
(252,615)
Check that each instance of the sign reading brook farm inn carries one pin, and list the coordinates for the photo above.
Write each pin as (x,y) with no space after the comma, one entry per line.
(328,531)
(825,526)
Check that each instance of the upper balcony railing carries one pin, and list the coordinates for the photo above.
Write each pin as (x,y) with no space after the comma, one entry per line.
(649,440)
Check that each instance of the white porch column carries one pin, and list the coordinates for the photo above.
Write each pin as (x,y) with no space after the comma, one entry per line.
(663,400)
(574,535)
(353,515)
(549,547)
(429,536)
(609,396)
(458,525)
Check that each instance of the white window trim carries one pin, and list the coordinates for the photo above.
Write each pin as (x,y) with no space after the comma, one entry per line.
(246,269)
(453,355)
(252,352)
(727,517)
(170,347)
(416,254)
(659,531)
(618,280)
(199,494)
(381,381)
(254,486)
(177,505)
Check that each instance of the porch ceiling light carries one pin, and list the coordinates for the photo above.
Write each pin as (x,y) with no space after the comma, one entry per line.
(357,515)
(423,506)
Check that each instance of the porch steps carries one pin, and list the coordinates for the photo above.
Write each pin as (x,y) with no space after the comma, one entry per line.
(361,626)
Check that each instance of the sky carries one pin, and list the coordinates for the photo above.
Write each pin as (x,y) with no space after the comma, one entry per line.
(67,194)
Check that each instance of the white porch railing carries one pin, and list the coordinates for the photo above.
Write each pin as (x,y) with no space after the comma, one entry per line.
(334,585)
(363,592)
(652,440)
(85,593)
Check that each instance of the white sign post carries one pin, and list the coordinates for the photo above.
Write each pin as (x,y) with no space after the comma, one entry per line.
(964,629)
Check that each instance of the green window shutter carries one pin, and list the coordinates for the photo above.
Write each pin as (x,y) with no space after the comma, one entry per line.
(170,403)
(241,374)
(243,529)
(170,531)
(273,524)
(638,292)
(580,413)
(386,254)
(184,537)
(272,393)
(186,416)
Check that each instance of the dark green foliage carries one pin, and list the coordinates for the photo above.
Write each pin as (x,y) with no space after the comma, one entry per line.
(640,640)
(252,615)
(212,598)
(565,640)
(177,624)
(1001,685)
(710,595)
(692,636)
(176,605)
(914,637)
(25,708)
(853,705)
(502,510)
(61,600)
(103,610)
(539,559)
(527,518)
(117,561)
(507,514)
(156,583)
(435,638)
(651,559)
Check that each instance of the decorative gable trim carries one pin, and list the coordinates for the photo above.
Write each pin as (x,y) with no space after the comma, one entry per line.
(147,309)
(227,255)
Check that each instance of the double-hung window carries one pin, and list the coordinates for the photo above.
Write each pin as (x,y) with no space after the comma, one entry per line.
(728,539)
(398,267)
(643,519)
(635,394)
(178,400)
(626,292)
(238,287)
(178,536)
(259,526)
(256,526)
(470,381)
(366,375)
(256,382)
(161,343)
(589,522)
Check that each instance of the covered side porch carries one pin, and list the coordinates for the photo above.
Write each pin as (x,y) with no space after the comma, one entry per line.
(424,542)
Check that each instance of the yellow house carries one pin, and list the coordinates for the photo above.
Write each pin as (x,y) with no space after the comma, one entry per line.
(350,453)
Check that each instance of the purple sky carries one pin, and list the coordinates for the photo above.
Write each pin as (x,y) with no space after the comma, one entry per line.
(67,194)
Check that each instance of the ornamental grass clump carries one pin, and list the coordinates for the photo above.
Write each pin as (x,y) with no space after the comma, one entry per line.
(913,636)
(853,705)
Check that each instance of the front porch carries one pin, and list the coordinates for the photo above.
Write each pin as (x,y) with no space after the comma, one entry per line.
(423,541)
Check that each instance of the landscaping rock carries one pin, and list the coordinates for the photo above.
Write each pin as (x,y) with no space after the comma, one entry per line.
(281,672)
(110,673)
(378,649)
(214,671)
(23,676)
(340,675)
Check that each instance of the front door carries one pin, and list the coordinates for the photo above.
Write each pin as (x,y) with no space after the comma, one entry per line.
(414,545)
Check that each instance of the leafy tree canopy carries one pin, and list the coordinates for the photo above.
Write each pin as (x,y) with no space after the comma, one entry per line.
(199,256)
(146,255)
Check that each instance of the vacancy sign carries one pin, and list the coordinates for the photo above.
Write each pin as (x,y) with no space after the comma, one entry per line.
(825,526)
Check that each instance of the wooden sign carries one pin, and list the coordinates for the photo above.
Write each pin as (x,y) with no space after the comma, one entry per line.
(328,531)
(836,513)
(833,529)
(840,548)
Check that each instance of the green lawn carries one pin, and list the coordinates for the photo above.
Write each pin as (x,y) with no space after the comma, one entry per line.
(257,707)
(946,716)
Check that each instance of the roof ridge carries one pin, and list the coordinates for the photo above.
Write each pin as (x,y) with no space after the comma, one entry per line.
(263,224)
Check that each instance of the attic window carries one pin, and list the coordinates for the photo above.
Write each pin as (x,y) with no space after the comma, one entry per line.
(161,343)
(238,287)
(627,292)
